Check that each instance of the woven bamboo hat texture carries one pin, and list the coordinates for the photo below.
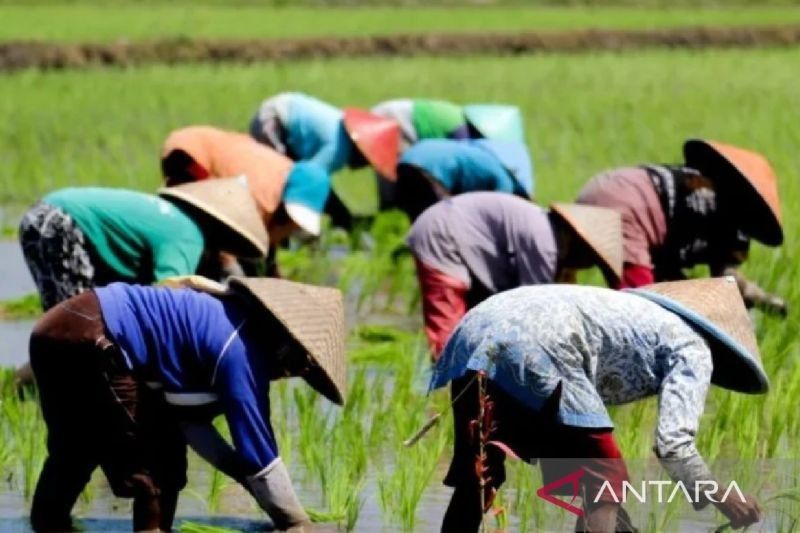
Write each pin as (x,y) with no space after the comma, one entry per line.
(376,137)
(314,316)
(599,228)
(748,177)
(715,308)
(226,211)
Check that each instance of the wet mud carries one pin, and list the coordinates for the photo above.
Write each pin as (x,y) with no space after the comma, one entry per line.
(54,56)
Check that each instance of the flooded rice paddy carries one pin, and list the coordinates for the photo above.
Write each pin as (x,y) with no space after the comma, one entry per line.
(348,465)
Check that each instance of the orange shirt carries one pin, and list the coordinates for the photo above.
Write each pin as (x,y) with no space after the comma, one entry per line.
(227,154)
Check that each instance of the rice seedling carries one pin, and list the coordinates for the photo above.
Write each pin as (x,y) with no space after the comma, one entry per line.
(76,21)
(27,306)
(57,133)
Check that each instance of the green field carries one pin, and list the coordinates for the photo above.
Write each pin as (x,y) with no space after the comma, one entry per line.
(89,22)
(583,113)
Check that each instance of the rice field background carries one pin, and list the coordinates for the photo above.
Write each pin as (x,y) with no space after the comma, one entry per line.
(583,113)
(112,21)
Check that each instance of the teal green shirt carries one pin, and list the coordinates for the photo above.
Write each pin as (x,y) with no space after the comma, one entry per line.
(139,236)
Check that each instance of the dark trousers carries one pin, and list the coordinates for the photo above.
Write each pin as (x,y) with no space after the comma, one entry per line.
(97,414)
(533,436)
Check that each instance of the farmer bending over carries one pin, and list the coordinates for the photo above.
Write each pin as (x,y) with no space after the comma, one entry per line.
(120,369)
(474,245)
(438,168)
(704,212)
(305,128)
(289,196)
(552,356)
(78,238)
(424,118)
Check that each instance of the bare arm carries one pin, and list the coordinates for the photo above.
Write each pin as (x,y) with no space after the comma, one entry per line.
(752,294)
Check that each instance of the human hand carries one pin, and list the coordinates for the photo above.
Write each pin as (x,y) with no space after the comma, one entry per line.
(740,513)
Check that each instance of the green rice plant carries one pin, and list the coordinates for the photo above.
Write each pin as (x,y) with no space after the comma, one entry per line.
(401,489)
(28,306)
(57,133)
(380,275)
(127,20)
(26,430)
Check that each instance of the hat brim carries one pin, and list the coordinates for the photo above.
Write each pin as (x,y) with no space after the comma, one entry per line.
(317,376)
(604,262)
(309,220)
(219,230)
(383,158)
(734,367)
(701,155)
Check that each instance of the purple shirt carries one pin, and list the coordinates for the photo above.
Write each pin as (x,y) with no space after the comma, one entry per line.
(501,240)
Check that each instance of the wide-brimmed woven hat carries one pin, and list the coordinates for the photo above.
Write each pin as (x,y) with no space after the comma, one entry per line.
(377,138)
(226,212)
(748,177)
(715,308)
(314,316)
(501,122)
(599,228)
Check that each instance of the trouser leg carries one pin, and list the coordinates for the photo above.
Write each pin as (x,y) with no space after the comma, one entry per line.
(467,505)
(464,512)
(61,482)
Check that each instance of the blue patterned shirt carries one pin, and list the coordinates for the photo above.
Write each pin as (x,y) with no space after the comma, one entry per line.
(604,347)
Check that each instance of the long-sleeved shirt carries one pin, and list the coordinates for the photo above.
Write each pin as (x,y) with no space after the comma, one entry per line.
(315,132)
(499,239)
(670,218)
(140,237)
(462,166)
(603,347)
(198,349)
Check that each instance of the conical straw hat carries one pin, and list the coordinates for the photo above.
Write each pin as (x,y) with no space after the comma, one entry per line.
(314,316)
(377,138)
(715,308)
(226,212)
(599,228)
(746,175)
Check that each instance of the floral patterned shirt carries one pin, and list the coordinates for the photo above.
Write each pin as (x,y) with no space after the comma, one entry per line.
(603,347)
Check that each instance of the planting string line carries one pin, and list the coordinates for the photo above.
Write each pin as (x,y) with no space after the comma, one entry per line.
(435,418)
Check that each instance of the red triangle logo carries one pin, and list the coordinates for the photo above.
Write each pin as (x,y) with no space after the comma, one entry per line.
(572,478)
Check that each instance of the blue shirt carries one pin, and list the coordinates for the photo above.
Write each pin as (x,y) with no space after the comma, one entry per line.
(461,166)
(196,347)
(315,132)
